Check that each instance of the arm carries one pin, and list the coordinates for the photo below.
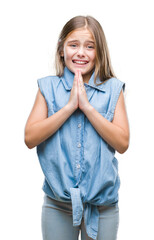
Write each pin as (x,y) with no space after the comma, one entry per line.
(39,127)
(115,133)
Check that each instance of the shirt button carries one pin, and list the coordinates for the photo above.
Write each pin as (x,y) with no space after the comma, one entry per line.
(78,165)
(79,125)
(79,145)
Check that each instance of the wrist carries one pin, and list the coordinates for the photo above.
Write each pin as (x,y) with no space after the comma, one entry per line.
(87,108)
(70,108)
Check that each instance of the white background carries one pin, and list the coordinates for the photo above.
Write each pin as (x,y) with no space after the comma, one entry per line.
(29,32)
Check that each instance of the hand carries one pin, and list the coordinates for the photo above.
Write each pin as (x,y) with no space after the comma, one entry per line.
(73,100)
(83,100)
(78,97)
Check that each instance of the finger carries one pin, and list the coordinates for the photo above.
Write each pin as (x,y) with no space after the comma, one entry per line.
(80,79)
(77,73)
(75,78)
(81,83)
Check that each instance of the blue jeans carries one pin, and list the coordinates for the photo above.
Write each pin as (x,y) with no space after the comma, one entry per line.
(57,222)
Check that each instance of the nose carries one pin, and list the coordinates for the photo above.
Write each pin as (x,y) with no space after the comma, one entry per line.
(80,52)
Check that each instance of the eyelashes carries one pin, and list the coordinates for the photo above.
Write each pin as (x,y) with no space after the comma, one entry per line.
(76,46)
(73,45)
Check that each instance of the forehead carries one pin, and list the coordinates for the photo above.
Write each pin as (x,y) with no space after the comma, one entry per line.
(80,34)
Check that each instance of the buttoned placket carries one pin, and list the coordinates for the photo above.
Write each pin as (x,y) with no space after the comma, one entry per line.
(79,119)
(79,160)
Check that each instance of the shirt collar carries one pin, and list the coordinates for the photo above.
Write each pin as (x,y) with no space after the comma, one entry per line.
(68,78)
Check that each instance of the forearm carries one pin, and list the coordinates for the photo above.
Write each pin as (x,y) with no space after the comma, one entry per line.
(111,133)
(40,131)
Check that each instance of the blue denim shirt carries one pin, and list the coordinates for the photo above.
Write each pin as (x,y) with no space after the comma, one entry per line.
(79,165)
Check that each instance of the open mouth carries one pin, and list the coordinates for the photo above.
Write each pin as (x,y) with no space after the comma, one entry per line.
(80,62)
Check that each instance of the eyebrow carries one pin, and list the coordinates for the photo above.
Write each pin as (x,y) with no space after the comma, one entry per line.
(88,41)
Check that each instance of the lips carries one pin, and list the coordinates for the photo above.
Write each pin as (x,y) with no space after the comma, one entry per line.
(80,62)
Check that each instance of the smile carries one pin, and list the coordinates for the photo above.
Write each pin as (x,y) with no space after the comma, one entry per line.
(81,62)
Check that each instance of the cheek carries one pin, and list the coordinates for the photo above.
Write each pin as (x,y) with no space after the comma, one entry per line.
(93,57)
(66,57)
(68,54)
(93,60)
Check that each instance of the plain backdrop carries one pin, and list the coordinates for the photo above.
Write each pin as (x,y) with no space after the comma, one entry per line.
(29,32)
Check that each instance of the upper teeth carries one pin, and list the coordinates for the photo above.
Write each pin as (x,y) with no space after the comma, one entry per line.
(80,62)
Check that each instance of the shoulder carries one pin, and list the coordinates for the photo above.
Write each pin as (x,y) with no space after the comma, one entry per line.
(48,79)
(114,85)
(46,84)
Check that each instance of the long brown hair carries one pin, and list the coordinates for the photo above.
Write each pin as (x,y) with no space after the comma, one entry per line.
(103,67)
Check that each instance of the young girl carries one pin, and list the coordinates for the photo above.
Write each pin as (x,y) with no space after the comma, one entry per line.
(78,121)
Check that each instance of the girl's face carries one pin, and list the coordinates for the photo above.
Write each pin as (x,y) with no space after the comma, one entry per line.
(79,52)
